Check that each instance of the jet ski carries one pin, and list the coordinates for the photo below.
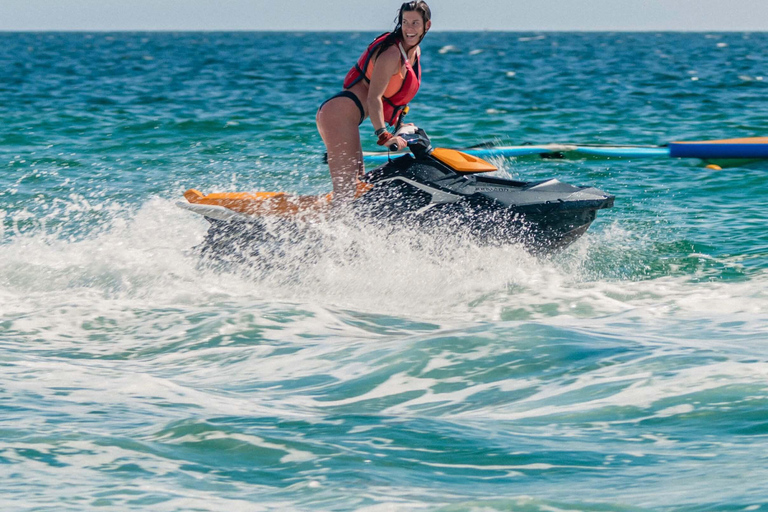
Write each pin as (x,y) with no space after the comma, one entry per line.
(438,190)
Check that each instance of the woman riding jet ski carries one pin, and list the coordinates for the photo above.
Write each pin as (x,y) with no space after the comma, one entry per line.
(439,190)
(382,82)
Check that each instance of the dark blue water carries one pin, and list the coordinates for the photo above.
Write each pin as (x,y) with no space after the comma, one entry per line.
(628,373)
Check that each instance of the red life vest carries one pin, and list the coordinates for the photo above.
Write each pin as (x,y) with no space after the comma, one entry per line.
(395,103)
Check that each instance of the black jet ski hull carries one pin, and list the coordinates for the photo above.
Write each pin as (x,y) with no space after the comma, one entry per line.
(544,216)
(440,192)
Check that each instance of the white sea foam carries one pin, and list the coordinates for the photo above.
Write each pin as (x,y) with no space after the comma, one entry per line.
(404,328)
(143,259)
(449,49)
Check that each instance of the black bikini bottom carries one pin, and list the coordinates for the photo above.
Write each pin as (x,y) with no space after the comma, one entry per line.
(353,97)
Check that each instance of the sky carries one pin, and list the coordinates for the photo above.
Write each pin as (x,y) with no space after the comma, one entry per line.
(377,15)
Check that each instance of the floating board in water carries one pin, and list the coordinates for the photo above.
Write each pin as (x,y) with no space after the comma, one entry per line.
(559,150)
(750,148)
(623,152)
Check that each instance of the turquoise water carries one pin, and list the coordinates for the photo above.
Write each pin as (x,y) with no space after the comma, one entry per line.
(391,373)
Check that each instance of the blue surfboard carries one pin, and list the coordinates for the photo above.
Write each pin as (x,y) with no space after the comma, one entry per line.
(752,147)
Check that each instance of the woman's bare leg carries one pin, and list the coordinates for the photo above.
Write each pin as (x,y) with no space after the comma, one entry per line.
(337,122)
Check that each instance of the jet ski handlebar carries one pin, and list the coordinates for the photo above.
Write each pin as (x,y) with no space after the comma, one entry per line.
(416,138)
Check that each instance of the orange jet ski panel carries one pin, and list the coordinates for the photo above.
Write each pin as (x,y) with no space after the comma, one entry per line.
(462,162)
(268,203)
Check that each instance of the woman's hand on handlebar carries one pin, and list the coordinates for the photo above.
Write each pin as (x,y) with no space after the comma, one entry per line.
(396,144)
(393,142)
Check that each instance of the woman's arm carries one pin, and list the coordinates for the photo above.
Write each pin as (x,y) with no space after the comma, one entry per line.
(386,65)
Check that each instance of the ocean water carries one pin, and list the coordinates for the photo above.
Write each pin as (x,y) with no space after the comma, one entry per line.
(392,373)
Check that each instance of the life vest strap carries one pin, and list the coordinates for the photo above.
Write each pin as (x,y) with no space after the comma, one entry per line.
(402,52)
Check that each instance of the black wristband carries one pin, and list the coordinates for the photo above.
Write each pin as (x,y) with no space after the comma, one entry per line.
(379,131)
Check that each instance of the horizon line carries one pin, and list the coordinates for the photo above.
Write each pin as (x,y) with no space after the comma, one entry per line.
(332,31)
